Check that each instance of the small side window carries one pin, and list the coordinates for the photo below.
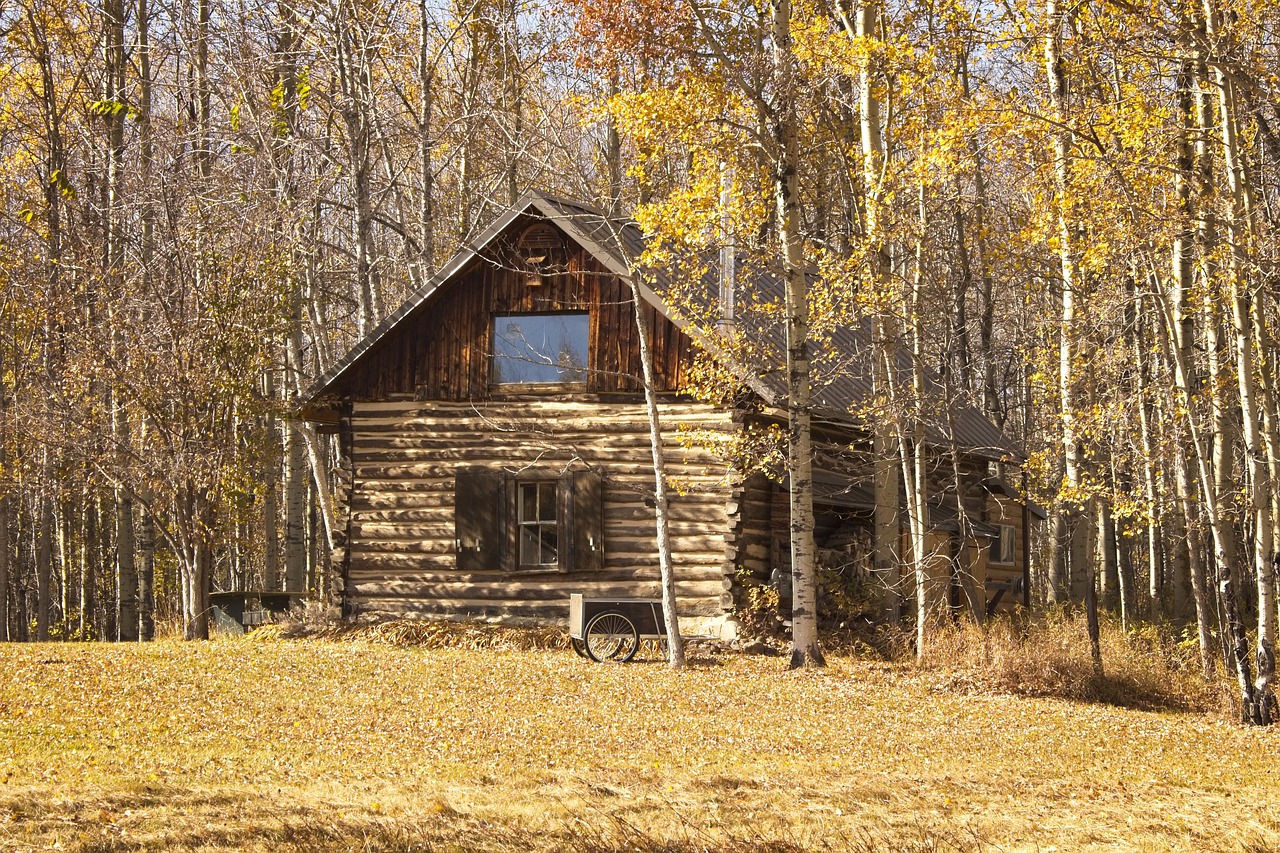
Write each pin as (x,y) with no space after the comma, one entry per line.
(538,522)
(1002,547)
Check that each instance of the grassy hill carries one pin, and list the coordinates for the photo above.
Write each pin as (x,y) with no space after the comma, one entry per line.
(323,745)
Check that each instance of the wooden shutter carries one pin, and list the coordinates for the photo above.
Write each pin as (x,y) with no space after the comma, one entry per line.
(585,533)
(479,507)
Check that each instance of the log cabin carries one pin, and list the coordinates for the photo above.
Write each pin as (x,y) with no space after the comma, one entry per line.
(496,455)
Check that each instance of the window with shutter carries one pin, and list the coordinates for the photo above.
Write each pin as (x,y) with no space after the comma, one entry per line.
(529,523)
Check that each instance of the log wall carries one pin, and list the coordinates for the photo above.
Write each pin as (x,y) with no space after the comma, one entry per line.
(401,558)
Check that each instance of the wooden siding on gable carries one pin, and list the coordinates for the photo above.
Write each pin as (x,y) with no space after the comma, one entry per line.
(402,558)
(442,350)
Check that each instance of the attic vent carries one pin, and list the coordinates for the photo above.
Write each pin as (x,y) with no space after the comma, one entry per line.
(539,249)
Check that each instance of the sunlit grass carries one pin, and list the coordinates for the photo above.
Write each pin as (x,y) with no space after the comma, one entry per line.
(304,745)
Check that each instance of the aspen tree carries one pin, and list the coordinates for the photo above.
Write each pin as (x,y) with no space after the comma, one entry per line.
(114,111)
(785,165)
(1079,518)
(146,163)
(6,554)
(1241,235)
(197,568)
(864,26)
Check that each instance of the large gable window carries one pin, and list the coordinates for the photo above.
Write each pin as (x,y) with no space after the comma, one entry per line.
(540,348)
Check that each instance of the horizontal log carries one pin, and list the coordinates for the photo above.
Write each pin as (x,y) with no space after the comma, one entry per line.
(371,446)
(679,510)
(637,476)
(530,592)
(438,522)
(680,544)
(380,531)
(401,515)
(372,570)
(548,612)
(400,546)
(529,408)
(407,487)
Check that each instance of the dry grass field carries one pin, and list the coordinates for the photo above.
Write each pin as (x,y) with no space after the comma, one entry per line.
(355,745)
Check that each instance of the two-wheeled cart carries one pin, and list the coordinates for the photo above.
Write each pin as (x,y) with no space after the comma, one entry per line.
(610,630)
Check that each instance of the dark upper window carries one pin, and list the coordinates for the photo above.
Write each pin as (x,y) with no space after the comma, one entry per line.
(540,348)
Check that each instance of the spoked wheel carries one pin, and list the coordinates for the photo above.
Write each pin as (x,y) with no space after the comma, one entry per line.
(611,638)
(579,647)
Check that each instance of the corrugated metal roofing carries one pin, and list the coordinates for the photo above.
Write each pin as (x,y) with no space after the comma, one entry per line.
(616,243)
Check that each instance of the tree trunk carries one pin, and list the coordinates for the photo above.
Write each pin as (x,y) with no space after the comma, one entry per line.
(146,534)
(1078,507)
(6,563)
(426,144)
(1155,575)
(1107,558)
(270,495)
(44,561)
(805,650)
(930,590)
(1241,234)
(295,486)
(886,451)
(353,78)
(661,492)
(90,558)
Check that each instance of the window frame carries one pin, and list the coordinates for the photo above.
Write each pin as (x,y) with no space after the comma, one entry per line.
(539,386)
(520,524)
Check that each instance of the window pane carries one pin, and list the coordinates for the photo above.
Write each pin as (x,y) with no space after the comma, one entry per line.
(540,348)
(547,502)
(528,502)
(529,546)
(549,545)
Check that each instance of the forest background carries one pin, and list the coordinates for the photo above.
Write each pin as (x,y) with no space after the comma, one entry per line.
(1065,212)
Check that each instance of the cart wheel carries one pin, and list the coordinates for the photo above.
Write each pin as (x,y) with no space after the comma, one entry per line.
(579,647)
(611,638)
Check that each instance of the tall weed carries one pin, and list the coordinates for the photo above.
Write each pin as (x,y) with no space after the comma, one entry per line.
(1048,655)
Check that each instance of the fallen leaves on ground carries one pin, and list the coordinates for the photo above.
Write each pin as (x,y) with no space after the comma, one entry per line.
(317,744)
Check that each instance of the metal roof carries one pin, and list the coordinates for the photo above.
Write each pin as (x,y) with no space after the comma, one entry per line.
(616,243)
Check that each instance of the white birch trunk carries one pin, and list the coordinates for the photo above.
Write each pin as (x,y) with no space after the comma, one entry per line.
(1242,234)
(805,650)
(1078,508)
(661,492)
